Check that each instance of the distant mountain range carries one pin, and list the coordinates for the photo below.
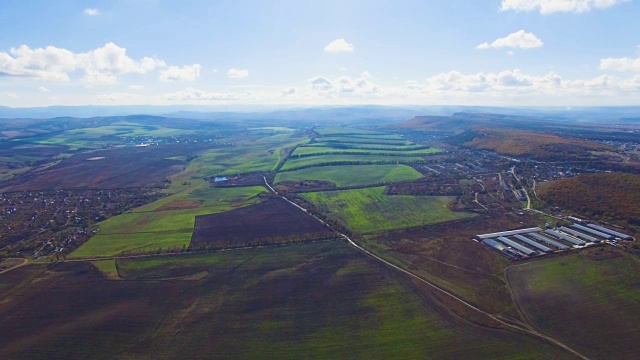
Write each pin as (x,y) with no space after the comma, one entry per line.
(373,115)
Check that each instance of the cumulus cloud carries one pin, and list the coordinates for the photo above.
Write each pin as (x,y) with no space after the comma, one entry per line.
(288,92)
(546,7)
(185,73)
(199,95)
(620,64)
(43,89)
(519,40)
(237,73)
(344,85)
(91,12)
(338,45)
(101,65)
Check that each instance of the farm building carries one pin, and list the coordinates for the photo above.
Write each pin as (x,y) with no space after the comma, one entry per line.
(578,234)
(220,179)
(593,231)
(523,249)
(548,241)
(509,233)
(609,231)
(559,235)
(533,243)
(503,250)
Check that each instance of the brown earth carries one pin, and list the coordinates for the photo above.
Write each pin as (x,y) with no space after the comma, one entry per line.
(128,167)
(270,222)
(180,205)
(302,301)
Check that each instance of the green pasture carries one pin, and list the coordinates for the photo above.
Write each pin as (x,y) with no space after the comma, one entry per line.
(370,211)
(314,150)
(328,131)
(350,175)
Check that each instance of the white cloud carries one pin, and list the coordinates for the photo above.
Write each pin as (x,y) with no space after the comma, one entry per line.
(237,73)
(620,64)
(101,65)
(546,7)
(135,87)
(91,12)
(338,45)
(43,89)
(288,92)
(185,73)
(344,85)
(320,83)
(199,95)
(519,39)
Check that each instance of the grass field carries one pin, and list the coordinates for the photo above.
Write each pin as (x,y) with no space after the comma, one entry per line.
(349,175)
(321,160)
(369,211)
(360,140)
(149,228)
(341,145)
(588,300)
(323,301)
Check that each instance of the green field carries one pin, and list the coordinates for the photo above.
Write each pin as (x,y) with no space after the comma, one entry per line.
(150,227)
(357,140)
(321,160)
(326,131)
(350,175)
(313,151)
(588,300)
(262,154)
(341,145)
(369,211)
(313,301)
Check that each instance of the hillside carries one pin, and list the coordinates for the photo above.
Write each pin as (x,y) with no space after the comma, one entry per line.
(613,196)
(529,143)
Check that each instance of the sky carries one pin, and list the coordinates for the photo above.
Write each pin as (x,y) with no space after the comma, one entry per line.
(346,52)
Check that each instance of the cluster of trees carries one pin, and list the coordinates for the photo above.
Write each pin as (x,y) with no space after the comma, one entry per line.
(603,196)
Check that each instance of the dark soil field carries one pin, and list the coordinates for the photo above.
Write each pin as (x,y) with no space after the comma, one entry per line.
(270,222)
(322,300)
(445,254)
(588,300)
(127,167)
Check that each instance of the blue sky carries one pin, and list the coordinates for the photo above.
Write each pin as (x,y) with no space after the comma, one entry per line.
(485,52)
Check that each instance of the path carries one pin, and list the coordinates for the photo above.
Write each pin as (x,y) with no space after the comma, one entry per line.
(526,330)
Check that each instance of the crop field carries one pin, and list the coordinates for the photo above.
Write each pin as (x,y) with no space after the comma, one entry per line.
(90,137)
(365,146)
(149,228)
(270,222)
(327,160)
(328,131)
(127,167)
(312,151)
(350,175)
(321,300)
(356,140)
(369,210)
(588,300)
(262,154)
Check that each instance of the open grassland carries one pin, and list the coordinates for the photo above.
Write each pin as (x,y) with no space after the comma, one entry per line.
(588,300)
(350,175)
(327,160)
(320,300)
(369,210)
(151,228)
